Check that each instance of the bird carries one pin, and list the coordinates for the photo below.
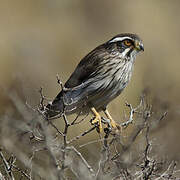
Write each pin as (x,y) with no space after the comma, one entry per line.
(99,78)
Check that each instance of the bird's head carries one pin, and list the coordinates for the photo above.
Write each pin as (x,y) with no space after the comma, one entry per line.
(127,46)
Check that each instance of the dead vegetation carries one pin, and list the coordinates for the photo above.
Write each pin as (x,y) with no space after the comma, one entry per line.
(33,147)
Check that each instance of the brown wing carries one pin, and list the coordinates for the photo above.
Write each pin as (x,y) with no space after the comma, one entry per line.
(86,67)
(83,71)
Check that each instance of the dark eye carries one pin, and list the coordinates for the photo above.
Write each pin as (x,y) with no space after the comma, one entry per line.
(127,42)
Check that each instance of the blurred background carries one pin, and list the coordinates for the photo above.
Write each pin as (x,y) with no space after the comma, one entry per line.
(42,38)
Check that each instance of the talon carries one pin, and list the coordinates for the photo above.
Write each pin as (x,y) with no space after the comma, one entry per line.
(97,120)
(113,123)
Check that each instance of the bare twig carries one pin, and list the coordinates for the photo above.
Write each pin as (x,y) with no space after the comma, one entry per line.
(163,116)
(130,120)
(115,157)
(104,157)
(168,174)
(7,167)
(78,122)
(82,134)
(59,132)
(1,176)
(22,172)
(82,169)
(132,111)
(95,141)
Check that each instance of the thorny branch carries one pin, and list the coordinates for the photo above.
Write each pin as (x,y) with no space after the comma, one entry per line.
(82,134)
(7,166)
(114,161)
(66,127)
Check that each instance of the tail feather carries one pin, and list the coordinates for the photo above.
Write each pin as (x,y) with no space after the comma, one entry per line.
(55,108)
(69,101)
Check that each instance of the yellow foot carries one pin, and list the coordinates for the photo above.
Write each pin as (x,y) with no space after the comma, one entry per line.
(97,119)
(115,125)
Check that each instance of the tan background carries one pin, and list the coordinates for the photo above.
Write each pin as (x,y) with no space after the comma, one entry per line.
(40,38)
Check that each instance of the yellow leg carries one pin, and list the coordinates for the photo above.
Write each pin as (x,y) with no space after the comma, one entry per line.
(97,119)
(112,122)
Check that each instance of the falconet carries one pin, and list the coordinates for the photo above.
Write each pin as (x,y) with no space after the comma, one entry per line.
(100,77)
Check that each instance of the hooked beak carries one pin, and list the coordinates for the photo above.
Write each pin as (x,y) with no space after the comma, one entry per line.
(139,46)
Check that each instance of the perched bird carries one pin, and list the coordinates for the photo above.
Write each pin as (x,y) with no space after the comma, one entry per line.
(99,78)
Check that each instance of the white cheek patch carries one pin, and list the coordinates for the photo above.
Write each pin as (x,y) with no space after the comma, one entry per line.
(125,52)
(119,39)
